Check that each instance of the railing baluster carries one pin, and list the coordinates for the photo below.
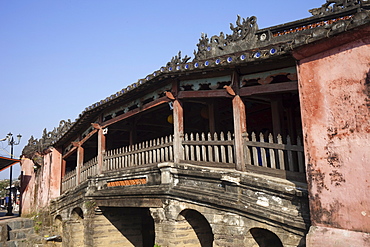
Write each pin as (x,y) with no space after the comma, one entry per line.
(150,153)
(263,152)
(300,156)
(290,155)
(197,148)
(158,151)
(254,150)
(281,153)
(272,152)
(204,150)
(215,149)
(210,149)
(166,142)
(222,148)
(248,158)
(186,148)
(230,148)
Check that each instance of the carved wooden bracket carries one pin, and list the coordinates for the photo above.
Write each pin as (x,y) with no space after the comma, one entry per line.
(96,126)
(170,95)
(229,90)
(76,144)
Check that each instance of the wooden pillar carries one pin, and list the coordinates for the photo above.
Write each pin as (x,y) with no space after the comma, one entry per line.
(101,149)
(80,162)
(277,112)
(211,117)
(101,146)
(133,132)
(64,164)
(240,123)
(178,126)
(240,131)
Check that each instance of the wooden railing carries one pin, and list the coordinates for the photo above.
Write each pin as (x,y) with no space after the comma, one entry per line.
(201,149)
(209,148)
(145,153)
(276,155)
(69,180)
(89,168)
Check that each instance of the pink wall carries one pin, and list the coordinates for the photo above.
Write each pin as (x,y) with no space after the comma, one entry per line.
(334,81)
(27,186)
(40,186)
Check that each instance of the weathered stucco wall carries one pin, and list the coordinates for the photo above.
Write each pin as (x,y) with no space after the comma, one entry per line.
(27,186)
(335,102)
(40,185)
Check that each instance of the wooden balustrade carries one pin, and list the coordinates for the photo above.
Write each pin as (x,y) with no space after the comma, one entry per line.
(209,148)
(266,153)
(89,169)
(145,153)
(202,149)
(69,180)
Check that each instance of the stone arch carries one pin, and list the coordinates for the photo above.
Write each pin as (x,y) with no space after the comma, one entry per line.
(75,227)
(123,226)
(194,229)
(58,224)
(265,238)
(77,214)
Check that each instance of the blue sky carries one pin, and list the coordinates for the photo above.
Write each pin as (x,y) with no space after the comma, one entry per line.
(58,57)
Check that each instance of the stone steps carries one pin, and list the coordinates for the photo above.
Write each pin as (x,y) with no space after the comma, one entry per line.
(16,232)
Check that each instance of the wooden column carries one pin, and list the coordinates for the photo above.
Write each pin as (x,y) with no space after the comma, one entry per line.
(240,123)
(64,164)
(133,132)
(277,112)
(101,150)
(211,117)
(80,162)
(101,146)
(178,122)
(178,127)
(240,131)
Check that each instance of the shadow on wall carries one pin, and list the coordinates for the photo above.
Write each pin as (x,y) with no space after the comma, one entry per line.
(200,226)
(135,224)
(25,180)
(265,238)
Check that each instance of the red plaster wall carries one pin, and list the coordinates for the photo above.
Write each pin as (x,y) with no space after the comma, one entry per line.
(41,186)
(27,186)
(335,103)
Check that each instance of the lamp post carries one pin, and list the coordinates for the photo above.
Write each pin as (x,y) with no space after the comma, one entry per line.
(11,142)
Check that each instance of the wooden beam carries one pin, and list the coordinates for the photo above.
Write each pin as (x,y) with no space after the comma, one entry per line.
(269,88)
(71,151)
(145,107)
(203,94)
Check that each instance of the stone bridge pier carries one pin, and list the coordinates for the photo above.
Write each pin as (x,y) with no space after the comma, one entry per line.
(183,205)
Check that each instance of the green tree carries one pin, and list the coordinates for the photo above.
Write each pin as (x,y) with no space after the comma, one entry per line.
(3,185)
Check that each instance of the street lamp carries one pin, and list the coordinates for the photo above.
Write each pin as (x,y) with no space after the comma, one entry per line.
(11,142)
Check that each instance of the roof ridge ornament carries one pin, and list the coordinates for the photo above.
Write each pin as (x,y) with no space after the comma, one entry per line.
(176,60)
(243,36)
(333,6)
(48,139)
